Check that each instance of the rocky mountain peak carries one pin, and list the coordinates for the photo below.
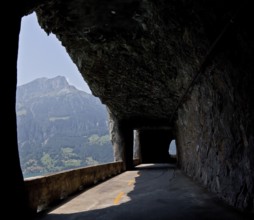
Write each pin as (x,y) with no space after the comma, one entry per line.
(45,87)
(57,82)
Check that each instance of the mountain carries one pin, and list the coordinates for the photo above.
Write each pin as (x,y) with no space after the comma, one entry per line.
(60,127)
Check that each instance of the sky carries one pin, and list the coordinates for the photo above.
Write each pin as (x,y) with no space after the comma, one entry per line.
(42,55)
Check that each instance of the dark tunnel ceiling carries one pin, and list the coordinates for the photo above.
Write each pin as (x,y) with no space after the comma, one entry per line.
(137,56)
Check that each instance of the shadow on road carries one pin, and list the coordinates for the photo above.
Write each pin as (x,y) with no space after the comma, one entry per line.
(161,192)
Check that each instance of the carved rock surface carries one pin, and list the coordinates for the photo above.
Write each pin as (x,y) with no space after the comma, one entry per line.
(140,56)
(137,56)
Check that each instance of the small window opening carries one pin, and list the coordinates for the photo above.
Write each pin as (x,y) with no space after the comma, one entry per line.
(135,145)
(172,149)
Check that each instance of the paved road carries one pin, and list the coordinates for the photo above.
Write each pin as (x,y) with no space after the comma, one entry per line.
(153,192)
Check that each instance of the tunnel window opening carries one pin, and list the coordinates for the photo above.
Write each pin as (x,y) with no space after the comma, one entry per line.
(60,124)
(172,149)
(135,145)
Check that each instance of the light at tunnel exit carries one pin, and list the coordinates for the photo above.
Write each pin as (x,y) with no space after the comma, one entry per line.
(172,148)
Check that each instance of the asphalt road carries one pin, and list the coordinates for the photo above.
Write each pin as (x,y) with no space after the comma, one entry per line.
(153,192)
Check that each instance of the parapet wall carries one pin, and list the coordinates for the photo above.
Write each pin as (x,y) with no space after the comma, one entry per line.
(46,191)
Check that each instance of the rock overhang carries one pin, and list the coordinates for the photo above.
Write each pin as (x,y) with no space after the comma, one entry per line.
(137,56)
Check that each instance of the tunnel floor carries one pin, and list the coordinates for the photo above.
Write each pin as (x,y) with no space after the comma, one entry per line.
(152,191)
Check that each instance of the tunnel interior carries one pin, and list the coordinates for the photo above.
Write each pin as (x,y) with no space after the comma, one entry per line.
(154,145)
(179,69)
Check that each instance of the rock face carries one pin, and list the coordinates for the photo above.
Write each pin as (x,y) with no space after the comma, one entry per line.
(215,132)
(50,106)
(215,142)
(142,59)
(126,52)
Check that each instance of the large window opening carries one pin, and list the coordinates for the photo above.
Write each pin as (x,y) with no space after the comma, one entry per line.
(60,124)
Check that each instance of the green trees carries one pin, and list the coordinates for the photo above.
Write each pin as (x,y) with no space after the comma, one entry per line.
(69,159)
(97,140)
(47,162)
(58,157)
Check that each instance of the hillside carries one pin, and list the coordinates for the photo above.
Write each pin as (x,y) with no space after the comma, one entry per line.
(60,127)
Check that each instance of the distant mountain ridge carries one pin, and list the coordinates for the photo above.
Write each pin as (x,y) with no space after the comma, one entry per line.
(60,127)
(46,87)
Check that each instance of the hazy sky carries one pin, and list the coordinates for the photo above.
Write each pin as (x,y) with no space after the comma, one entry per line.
(41,55)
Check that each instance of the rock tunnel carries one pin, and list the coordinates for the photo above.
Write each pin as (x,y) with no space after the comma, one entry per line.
(178,69)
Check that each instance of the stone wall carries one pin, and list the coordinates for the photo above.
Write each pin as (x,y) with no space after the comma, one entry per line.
(46,191)
(215,137)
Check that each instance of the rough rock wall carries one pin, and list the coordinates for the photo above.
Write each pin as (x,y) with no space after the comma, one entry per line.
(215,130)
(138,57)
(134,54)
(121,135)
